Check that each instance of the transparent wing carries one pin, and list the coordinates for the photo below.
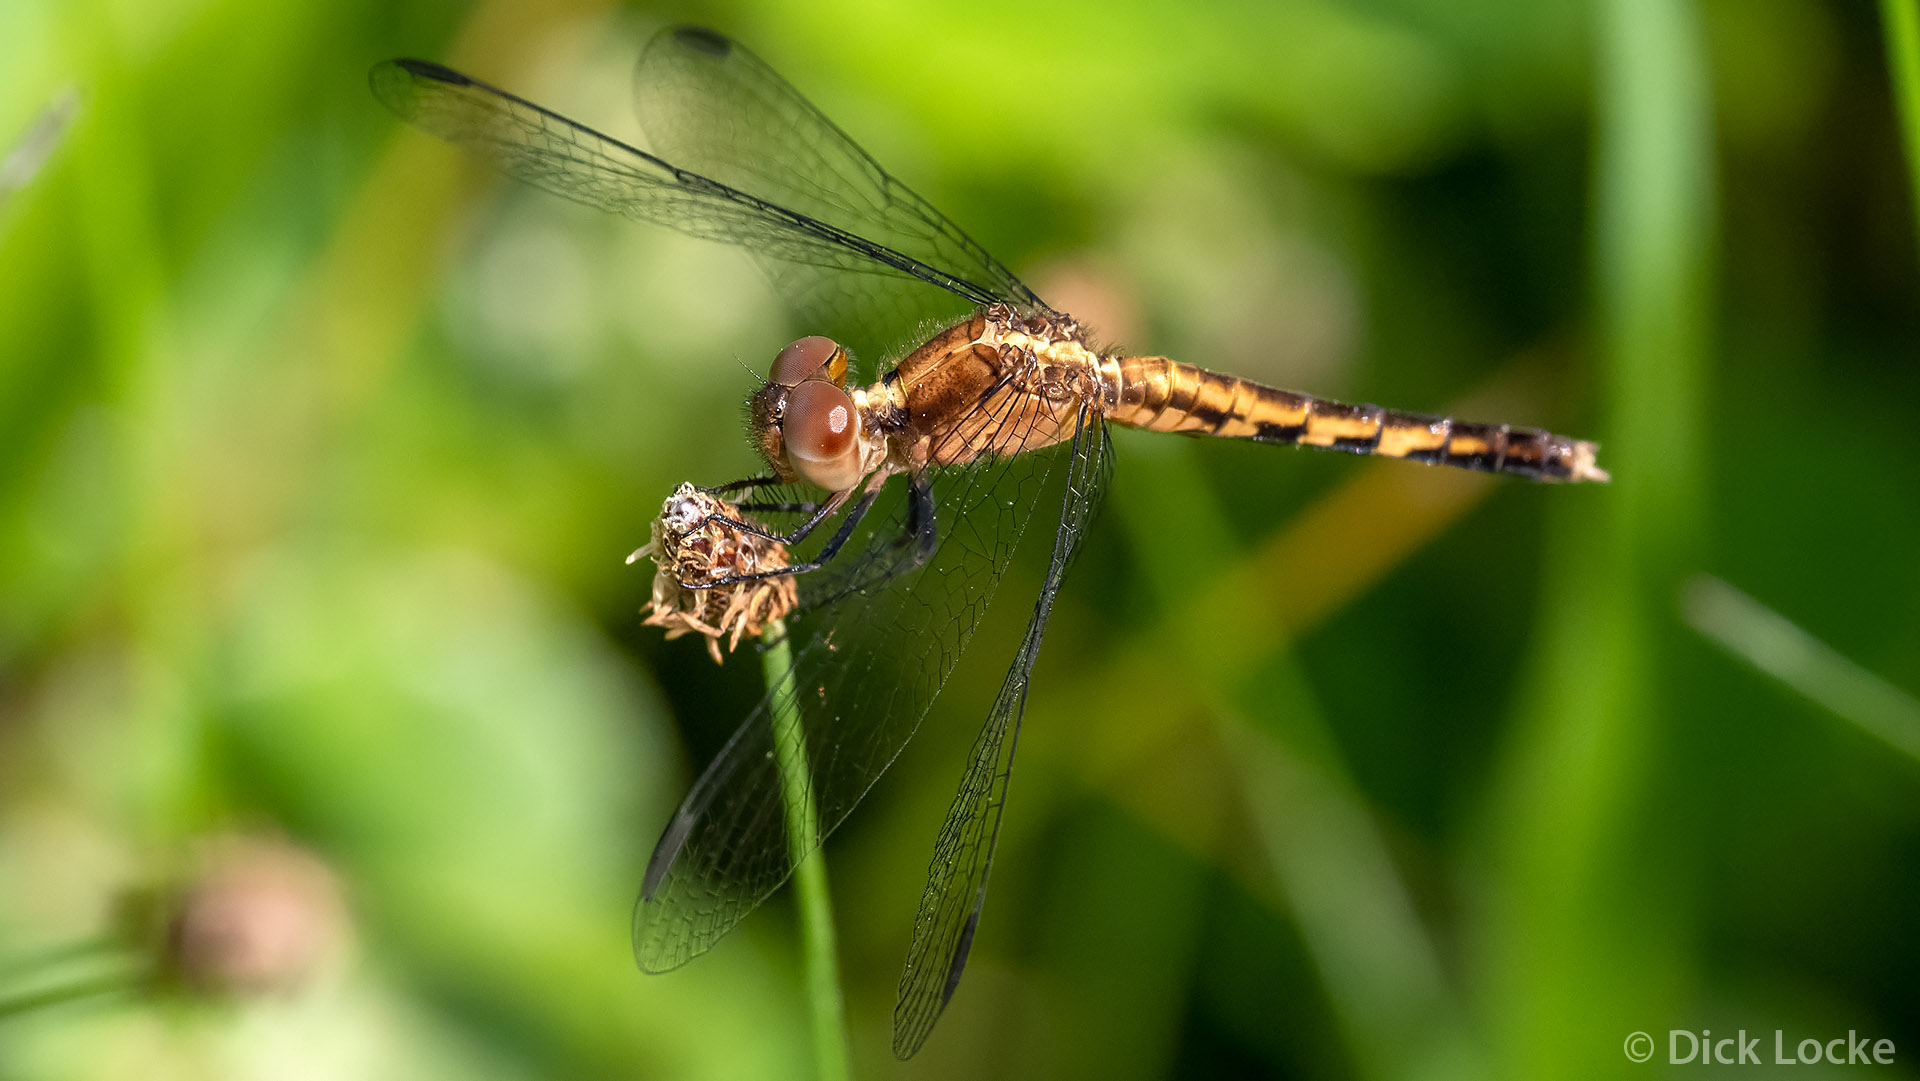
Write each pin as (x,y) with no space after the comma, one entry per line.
(572,160)
(709,104)
(826,266)
(957,878)
(879,632)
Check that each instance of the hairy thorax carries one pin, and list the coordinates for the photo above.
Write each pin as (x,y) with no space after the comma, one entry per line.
(993,384)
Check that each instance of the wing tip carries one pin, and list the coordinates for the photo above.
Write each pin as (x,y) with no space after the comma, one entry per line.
(656,951)
(908,1041)
(649,957)
(653,951)
(913,1016)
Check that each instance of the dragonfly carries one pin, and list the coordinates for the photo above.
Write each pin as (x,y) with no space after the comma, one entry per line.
(916,487)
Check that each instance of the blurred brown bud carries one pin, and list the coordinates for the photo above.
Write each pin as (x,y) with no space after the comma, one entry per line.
(260,917)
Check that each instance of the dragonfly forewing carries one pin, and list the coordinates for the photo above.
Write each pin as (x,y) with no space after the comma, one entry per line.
(709,104)
(569,159)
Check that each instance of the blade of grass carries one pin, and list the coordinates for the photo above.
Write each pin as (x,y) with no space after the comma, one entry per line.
(18,966)
(1902,19)
(61,994)
(52,968)
(1575,950)
(18,165)
(1778,647)
(817,945)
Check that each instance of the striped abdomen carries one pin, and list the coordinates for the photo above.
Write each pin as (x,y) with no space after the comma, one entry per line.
(1162,395)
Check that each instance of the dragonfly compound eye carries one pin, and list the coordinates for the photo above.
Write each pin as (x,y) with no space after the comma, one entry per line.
(806,359)
(822,433)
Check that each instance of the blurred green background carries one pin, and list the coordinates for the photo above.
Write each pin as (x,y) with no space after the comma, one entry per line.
(321,447)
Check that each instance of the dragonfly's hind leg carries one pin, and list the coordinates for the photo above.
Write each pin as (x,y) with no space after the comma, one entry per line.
(921,526)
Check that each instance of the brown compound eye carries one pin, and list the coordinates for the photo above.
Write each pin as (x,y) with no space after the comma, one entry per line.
(810,357)
(821,429)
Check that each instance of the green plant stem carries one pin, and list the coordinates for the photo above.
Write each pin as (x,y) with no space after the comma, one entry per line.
(15,967)
(1902,19)
(60,994)
(1780,648)
(818,948)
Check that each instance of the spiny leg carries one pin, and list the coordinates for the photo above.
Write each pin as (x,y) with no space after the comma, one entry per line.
(808,506)
(741,485)
(820,513)
(921,526)
(780,508)
(826,553)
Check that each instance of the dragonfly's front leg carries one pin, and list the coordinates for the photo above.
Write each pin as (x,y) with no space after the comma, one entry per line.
(827,551)
(740,485)
(819,513)
(756,506)
(780,508)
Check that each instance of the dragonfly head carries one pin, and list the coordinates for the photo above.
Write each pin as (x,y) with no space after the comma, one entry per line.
(803,422)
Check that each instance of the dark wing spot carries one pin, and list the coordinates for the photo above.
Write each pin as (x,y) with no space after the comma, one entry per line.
(959,962)
(701,39)
(427,69)
(670,844)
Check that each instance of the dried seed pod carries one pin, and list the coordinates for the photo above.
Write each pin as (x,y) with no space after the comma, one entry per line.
(689,548)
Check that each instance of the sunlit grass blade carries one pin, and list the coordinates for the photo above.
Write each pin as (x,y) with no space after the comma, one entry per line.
(817,941)
(1902,19)
(88,969)
(1569,950)
(19,164)
(60,994)
(23,965)
(1780,648)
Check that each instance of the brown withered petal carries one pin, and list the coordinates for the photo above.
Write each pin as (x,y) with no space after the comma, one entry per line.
(687,547)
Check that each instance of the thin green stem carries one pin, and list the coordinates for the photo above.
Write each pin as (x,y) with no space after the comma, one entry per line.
(1902,18)
(818,948)
(16,967)
(1780,648)
(72,991)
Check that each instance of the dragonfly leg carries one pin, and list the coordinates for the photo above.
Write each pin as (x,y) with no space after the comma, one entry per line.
(827,551)
(780,508)
(921,527)
(757,507)
(820,514)
(740,485)
(839,538)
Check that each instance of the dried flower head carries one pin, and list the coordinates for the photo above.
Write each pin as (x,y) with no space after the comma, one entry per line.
(688,547)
